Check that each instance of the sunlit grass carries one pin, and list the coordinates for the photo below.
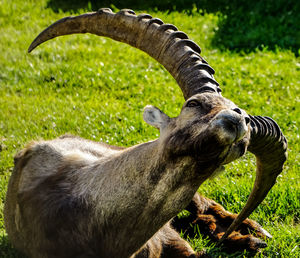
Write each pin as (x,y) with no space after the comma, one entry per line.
(97,88)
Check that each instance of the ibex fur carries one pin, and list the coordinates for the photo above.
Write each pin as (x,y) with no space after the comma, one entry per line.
(72,197)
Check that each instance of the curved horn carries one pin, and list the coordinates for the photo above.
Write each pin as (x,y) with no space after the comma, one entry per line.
(269,146)
(170,47)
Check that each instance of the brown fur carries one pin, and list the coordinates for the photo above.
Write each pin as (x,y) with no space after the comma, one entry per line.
(72,197)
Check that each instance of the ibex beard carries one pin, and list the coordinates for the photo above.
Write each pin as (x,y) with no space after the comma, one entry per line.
(71,195)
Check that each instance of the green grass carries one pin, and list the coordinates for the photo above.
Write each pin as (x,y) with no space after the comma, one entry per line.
(96,88)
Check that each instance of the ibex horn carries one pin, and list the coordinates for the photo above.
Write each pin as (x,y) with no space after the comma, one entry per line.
(269,146)
(170,47)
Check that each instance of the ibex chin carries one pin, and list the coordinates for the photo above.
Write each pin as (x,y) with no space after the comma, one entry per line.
(72,197)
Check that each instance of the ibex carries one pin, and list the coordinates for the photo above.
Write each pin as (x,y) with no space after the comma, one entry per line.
(71,197)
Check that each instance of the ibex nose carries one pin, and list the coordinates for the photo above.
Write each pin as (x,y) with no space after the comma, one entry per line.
(239,111)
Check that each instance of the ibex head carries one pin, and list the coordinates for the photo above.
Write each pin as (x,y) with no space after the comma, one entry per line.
(209,128)
(207,116)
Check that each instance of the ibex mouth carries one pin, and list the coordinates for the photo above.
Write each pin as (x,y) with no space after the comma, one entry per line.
(236,150)
(241,131)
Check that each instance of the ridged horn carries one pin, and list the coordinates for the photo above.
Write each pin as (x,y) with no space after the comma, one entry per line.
(269,146)
(170,47)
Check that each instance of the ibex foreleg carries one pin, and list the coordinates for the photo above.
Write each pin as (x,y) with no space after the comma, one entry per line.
(213,220)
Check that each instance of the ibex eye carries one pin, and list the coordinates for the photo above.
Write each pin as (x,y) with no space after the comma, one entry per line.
(193,103)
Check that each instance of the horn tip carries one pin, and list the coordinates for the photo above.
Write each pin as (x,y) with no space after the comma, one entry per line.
(31,47)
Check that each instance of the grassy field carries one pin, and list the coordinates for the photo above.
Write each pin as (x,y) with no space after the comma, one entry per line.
(97,88)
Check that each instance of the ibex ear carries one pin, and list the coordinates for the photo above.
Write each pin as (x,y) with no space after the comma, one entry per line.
(155,117)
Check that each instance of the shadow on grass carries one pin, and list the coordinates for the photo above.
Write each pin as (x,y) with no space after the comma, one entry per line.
(243,25)
(6,250)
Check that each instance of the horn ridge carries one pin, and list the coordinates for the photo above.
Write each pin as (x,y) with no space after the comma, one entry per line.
(105,9)
(156,21)
(126,12)
(167,26)
(161,41)
(265,129)
(144,16)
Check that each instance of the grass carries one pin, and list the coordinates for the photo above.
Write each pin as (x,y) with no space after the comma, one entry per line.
(96,88)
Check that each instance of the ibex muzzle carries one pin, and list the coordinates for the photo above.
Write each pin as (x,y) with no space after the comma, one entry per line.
(76,198)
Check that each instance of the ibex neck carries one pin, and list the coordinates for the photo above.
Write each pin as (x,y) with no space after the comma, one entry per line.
(143,190)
